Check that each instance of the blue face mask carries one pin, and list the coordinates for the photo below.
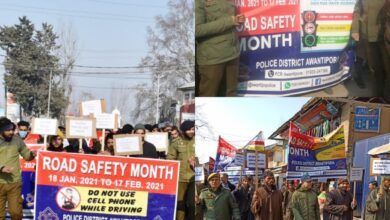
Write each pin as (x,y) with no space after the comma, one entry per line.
(22,134)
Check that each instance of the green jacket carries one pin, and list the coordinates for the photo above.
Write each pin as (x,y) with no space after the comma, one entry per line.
(366,15)
(305,205)
(217,41)
(183,149)
(9,156)
(376,206)
(219,205)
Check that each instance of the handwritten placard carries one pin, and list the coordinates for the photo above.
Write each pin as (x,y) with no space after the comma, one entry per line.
(159,140)
(107,121)
(128,144)
(81,128)
(44,126)
(94,107)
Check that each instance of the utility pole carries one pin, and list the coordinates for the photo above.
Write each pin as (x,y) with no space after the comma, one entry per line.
(48,100)
(158,99)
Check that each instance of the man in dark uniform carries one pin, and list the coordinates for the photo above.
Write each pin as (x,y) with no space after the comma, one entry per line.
(217,202)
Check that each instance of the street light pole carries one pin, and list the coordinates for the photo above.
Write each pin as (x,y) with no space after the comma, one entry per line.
(48,101)
(158,99)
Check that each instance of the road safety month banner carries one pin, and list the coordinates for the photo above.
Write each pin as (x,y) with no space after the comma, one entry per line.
(28,181)
(293,46)
(79,186)
(323,157)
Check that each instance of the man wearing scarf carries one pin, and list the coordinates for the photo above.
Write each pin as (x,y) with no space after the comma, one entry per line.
(267,200)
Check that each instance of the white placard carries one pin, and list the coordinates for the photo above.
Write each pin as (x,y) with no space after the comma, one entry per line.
(356,174)
(380,167)
(106,120)
(80,128)
(199,174)
(251,160)
(159,140)
(91,107)
(44,126)
(127,145)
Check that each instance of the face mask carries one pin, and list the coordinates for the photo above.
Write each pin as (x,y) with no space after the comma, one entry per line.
(22,134)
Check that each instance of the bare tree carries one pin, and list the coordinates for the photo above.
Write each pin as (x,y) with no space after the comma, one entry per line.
(67,53)
(119,99)
(170,58)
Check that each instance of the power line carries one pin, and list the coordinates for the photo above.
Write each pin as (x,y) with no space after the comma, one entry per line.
(110,77)
(74,11)
(75,15)
(105,67)
(128,4)
(96,87)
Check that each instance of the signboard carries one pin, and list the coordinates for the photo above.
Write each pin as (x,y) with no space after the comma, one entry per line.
(159,140)
(81,186)
(292,47)
(326,158)
(80,128)
(251,160)
(199,174)
(379,167)
(127,144)
(356,174)
(367,119)
(44,126)
(94,107)
(239,160)
(106,121)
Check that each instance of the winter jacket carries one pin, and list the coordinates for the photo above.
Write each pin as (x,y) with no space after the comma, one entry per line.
(266,203)
(305,205)
(375,206)
(219,205)
(366,13)
(216,38)
(338,206)
(183,149)
(9,156)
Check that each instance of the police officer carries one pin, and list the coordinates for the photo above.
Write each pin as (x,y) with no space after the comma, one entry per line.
(217,45)
(217,202)
(183,149)
(368,13)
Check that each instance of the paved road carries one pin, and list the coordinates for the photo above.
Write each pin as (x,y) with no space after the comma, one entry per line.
(348,88)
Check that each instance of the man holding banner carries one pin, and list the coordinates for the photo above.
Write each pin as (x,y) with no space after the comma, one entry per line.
(11,146)
(183,149)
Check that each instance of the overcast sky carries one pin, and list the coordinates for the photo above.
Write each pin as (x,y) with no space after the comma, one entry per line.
(109,33)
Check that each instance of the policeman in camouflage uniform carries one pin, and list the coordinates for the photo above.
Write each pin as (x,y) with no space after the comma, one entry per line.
(183,149)
(217,202)
(217,45)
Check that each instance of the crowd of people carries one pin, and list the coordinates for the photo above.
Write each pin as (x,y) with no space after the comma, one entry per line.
(218,199)
(13,139)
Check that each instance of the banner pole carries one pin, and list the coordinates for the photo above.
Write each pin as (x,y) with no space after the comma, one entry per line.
(103,138)
(257,168)
(80,145)
(45,142)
